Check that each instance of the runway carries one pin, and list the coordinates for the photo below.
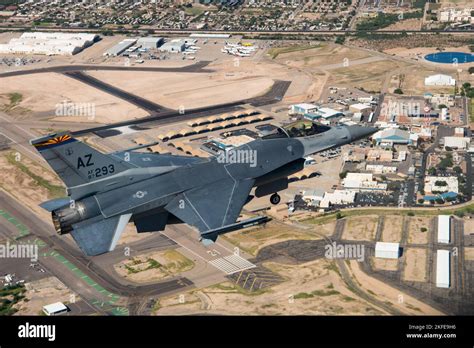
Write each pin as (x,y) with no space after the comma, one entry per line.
(194,68)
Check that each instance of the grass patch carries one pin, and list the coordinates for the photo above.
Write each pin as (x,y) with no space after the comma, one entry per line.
(54,191)
(305,295)
(275,52)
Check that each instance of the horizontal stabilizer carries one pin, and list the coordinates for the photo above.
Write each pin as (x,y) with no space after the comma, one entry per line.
(210,237)
(56,203)
(100,237)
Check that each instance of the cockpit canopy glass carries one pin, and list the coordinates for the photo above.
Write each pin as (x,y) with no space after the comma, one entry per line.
(304,128)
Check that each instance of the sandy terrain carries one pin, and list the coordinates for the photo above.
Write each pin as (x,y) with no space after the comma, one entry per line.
(43,292)
(361,228)
(392,229)
(310,289)
(24,187)
(254,239)
(358,75)
(384,264)
(317,58)
(415,265)
(468,226)
(407,24)
(469,254)
(415,224)
(43,92)
(153,266)
(384,292)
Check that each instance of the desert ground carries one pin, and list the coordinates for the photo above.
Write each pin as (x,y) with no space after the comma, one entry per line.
(44,93)
(384,264)
(415,234)
(43,292)
(415,267)
(392,229)
(361,228)
(153,266)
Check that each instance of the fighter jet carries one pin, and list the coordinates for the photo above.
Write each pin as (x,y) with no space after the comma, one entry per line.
(107,191)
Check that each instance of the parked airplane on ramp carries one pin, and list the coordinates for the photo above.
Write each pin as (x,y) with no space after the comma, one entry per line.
(106,191)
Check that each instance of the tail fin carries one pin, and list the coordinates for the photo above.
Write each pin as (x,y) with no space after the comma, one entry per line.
(75,162)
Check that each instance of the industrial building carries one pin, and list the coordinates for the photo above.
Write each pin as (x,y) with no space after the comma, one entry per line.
(49,43)
(457,142)
(439,80)
(385,250)
(362,182)
(232,142)
(120,47)
(440,184)
(55,309)
(338,197)
(150,42)
(173,46)
(391,136)
(444,229)
(303,108)
(364,109)
(323,112)
(443,271)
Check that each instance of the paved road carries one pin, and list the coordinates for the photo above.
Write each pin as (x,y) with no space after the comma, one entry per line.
(194,68)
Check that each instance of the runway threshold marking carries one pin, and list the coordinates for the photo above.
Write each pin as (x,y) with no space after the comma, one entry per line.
(232,264)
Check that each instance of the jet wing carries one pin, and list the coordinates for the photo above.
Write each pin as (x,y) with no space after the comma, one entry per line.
(213,206)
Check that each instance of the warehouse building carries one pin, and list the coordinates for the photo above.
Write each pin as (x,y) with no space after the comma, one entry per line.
(392,136)
(173,46)
(49,43)
(150,42)
(364,109)
(362,182)
(385,250)
(439,80)
(443,271)
(55,309)
(444,229)
(457,142)
(120,47)
(303,108)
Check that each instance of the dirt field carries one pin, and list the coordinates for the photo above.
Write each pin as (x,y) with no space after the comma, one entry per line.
(415,265)
(43,93)
(361,228)
(174,90)
(254,239)
(310,289)
(415,224)
(29,182)
(355,75)
(468,226)
(392,229)
(388,294)
(384,264)
(43,292)
(153,266)
(317,58)
(469,254)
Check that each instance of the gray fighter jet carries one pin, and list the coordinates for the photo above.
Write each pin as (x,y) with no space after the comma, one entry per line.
(106,191)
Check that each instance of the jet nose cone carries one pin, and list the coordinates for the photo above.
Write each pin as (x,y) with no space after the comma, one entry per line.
(359,132)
